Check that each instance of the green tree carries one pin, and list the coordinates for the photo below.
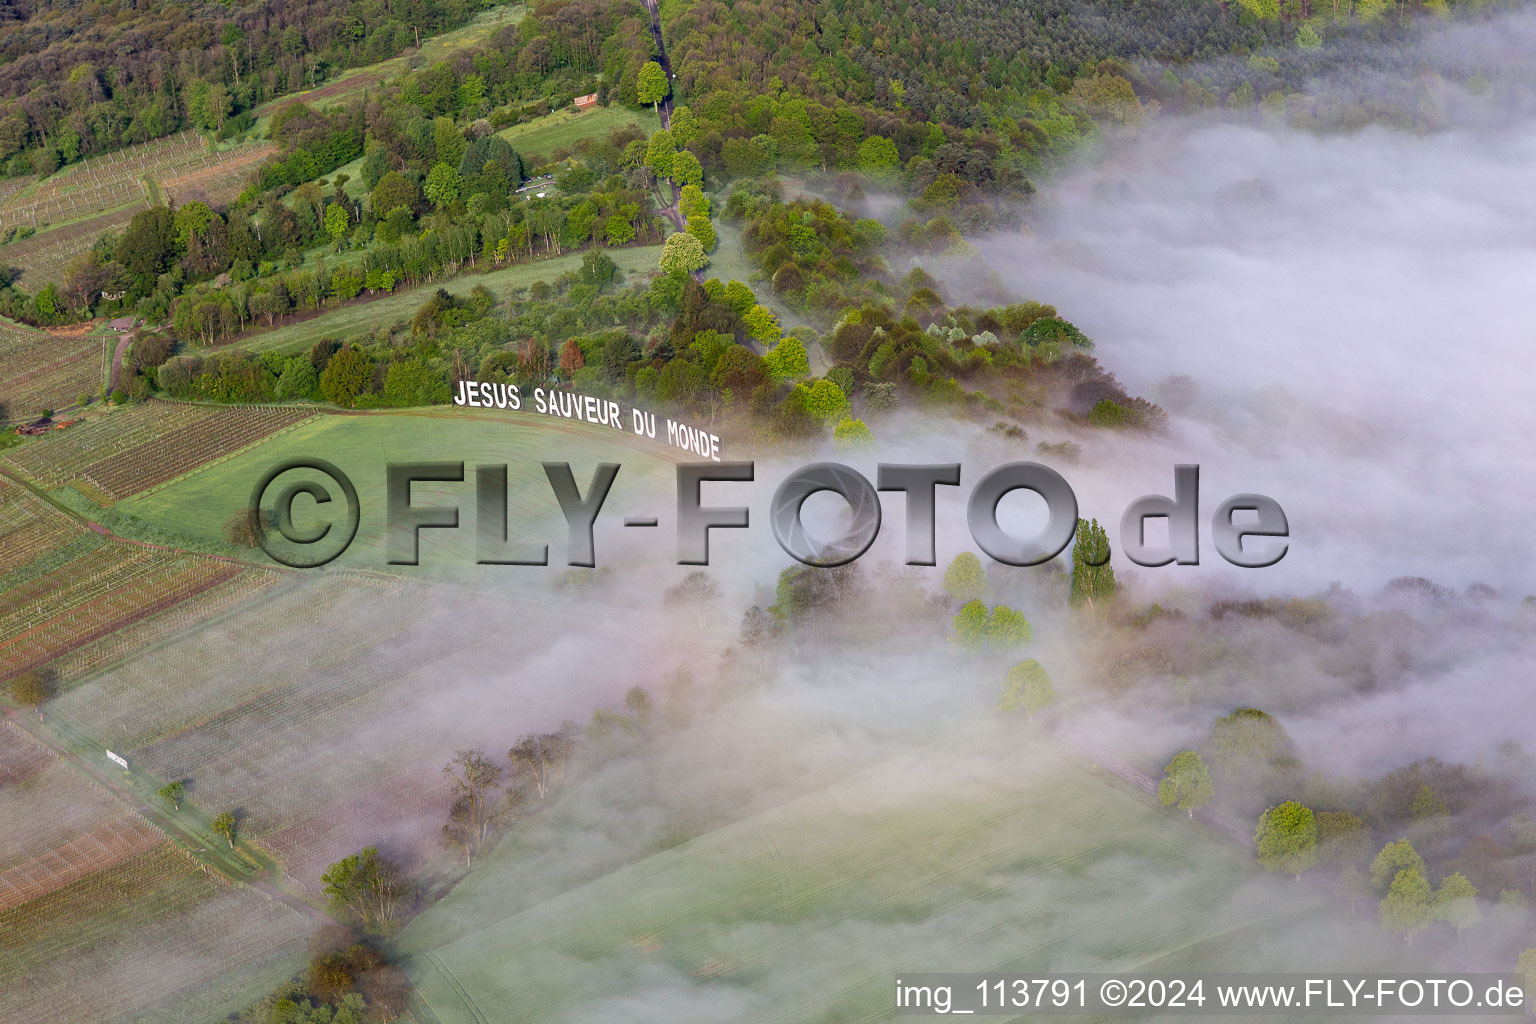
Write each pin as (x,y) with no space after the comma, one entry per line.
(368,886)
(336,221)
(1027,686)
(393,191)
(172,793)
(683,125)
(1427,804)
(787,360)
(1455,902)
(965,579)
(1395,857)
(686,169)
(619,230)
(597,268)
(1286,838)
(413,382)
(224,825)
(826,401)
(659,152)
(762,326)
(737,295)
(692,201)
(970,624)
(146,248)
(471,91)
(443,183)
(1406,907)
(298,379)
(651,85)
(682,252)
(1008,629)
(30,688)
(190,221)
(1186,783)
(1249,734)
(1093,578)
(852,433)
(877,155)
(447,141)
(348,375)
(699,227)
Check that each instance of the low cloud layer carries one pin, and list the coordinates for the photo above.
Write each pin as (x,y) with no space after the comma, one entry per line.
(1353,312)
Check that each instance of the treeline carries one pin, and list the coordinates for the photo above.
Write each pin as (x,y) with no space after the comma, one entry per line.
(711,348)
(77,81)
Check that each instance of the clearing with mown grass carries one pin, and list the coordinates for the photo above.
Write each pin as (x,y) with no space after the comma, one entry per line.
(538,140)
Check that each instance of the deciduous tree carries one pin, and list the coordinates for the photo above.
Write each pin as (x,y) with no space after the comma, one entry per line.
(651,84)
(1395,857)
(172,793)
(30,688)
(682,252)
(1406,907)
(224,825)
(970,624)
(1007,628)
(1186,783)
(1286,838)
(965,579)
(472,780)
(1027,686)
(367,885)
(1455,902)
(1342,838)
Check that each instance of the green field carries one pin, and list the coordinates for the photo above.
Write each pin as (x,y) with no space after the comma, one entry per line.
(538,139)
(808,911)
(196,506)
(359,317)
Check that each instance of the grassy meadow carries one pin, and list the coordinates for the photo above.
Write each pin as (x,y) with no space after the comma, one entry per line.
(360,317)
(196,506)
(537,140)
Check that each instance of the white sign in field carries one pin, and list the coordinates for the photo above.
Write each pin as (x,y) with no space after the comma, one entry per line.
(119,760)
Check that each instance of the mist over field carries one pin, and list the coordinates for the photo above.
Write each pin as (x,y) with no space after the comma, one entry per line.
(1335,321)
(1348,310)
(819,785)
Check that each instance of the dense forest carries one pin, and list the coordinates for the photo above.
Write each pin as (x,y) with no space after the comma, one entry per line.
(83,79)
